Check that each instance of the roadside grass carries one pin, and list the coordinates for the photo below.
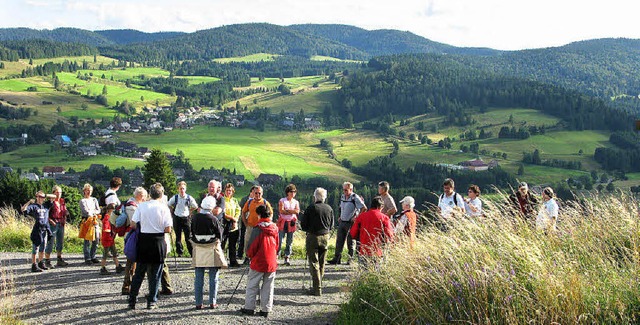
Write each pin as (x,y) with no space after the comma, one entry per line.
(499,270)
(249,58)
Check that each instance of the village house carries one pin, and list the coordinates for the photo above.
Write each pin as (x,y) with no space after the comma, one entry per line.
(179,173)
(87,151)
(238,180)
(52,171)
(475,165)
(30,176)
(63,140)
(125,147)
(136,178)
(268,180)
(68,179)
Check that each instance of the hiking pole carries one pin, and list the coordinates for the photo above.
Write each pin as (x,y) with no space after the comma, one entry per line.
(237,285)
(175,261)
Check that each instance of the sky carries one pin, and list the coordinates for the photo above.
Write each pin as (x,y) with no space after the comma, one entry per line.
(498,24)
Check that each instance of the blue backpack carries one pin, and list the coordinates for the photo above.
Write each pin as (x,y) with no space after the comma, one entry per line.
(131,244)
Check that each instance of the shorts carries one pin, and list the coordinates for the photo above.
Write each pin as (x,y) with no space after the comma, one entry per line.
(106,250)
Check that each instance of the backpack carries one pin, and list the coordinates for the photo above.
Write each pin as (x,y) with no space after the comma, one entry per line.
(455,198)
(121,225)
(175,201)
(102,201)
(353,201)
(131,244)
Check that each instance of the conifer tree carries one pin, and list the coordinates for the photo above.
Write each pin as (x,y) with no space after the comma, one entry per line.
(157,169)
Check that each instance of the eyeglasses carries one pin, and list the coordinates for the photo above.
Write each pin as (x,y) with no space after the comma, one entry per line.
(40,197)
(346,190)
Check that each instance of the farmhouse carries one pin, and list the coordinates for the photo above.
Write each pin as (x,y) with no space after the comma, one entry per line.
(52,171)
(87,151)
(268,180)
(475,165)
(62,140)
(68,179)
(30,176)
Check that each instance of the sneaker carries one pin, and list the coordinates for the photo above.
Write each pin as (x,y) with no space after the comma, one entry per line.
(198,307)
(125,291)
(35,268)
(47,263)
(286,261)
(42,266)
(213,306)
(246,261)
(119,268)
(312,292)
(151,305)
(61,262)
(95,261)
(247,312)
(264,314)
(88,262)
(104,271)
(234,264)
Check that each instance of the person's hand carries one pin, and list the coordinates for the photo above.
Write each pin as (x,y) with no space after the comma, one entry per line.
(32,201)
(53,223)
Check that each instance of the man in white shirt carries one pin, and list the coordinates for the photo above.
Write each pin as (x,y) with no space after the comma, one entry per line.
(182,205)
(450,201)
(111,198)
(155,220)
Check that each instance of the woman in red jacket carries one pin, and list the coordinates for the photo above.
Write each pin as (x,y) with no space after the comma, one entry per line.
(262,250)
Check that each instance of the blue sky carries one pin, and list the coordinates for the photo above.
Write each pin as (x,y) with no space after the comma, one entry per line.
(499,24)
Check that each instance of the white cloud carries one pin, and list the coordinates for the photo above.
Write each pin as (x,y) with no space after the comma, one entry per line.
(502,24)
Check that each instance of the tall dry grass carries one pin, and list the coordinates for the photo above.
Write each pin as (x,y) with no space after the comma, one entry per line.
(500,270)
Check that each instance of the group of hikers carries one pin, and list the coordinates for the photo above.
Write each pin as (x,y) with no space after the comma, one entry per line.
(221,224)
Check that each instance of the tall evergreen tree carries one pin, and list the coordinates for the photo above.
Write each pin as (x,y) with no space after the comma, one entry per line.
(157,169)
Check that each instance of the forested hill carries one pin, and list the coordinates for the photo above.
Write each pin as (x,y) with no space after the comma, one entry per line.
(130,36)
(237,40)
(426,83)
(385,41)
(67,35)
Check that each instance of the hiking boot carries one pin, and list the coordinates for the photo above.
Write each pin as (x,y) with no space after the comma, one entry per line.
(264,314)
(104,271)
(313,292)
(166,292)
(234,264)
(125,291)
(333,262)
(213,306)
(132,305)
(119,268)
(246,261)
(47,263)
(88,262)
(247,312)
(198,307)
(61,262)
(151,305)
(42,266)
(35,268)
(286,261)
(95,261)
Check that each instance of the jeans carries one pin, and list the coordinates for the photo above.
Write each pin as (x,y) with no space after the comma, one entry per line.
(90,254)
(213,284)
(153,272)
(182,225)
(287,249)
(342,236)
(58,237)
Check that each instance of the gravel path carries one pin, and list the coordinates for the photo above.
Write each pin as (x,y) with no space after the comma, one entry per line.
(78,294)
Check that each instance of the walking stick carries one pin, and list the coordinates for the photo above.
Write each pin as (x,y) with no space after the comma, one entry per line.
(237,285)
(175,261)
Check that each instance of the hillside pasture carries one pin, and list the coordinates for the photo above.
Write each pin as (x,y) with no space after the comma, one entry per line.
(44,155)
(15,68)
(121,74)
(248,151)
(311,100)
(329,58)
(249,58)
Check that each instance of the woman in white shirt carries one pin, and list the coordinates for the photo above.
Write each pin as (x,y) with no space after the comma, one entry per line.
(472,204)
(548,214)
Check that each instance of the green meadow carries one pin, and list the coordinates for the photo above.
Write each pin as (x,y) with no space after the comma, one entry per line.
(329,58)
(249,58)
(122,74)
(43,155)
(15,68)
(311,100)
(196,80)
(248,151)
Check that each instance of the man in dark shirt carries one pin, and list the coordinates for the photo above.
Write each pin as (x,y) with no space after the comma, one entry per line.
(317,222)
(524,202)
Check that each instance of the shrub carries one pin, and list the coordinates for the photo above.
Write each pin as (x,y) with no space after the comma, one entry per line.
(499,270)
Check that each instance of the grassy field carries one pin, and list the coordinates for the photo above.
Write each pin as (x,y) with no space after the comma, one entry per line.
(42,154)
(128,73)
(195,80)
(15,68)
(311,100)
(249,58)
(116,91)
(248,151)
(329,58)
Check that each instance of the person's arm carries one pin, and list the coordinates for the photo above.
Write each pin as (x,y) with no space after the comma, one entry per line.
(270,208)
(393,209)
(281,209)
(172,204)
(26,205)
(388,230)
(193,205)
(296,209)
(236,210)
(355,230)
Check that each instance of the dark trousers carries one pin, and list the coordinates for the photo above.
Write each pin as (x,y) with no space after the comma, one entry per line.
(316,246)
(232,237)
(182,225)
(343,235)
(241,232)
(153,272)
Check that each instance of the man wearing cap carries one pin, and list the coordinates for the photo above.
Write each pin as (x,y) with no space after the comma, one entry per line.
(351,205)
(406,223)
(524,202)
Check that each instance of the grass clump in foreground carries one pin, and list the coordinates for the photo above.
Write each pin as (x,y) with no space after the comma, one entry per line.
(501,271)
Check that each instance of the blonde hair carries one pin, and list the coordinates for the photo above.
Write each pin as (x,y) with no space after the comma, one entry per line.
(56,188)
(182,183)
(87,186)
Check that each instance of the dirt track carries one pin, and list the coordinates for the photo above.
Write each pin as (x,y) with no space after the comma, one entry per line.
(78,294)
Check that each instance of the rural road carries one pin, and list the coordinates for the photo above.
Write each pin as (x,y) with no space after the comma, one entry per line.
(78,294)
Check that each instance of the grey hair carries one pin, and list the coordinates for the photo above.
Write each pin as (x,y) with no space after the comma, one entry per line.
(347,184)
(320,194)
(214,182)
(140,191)
(156,191)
